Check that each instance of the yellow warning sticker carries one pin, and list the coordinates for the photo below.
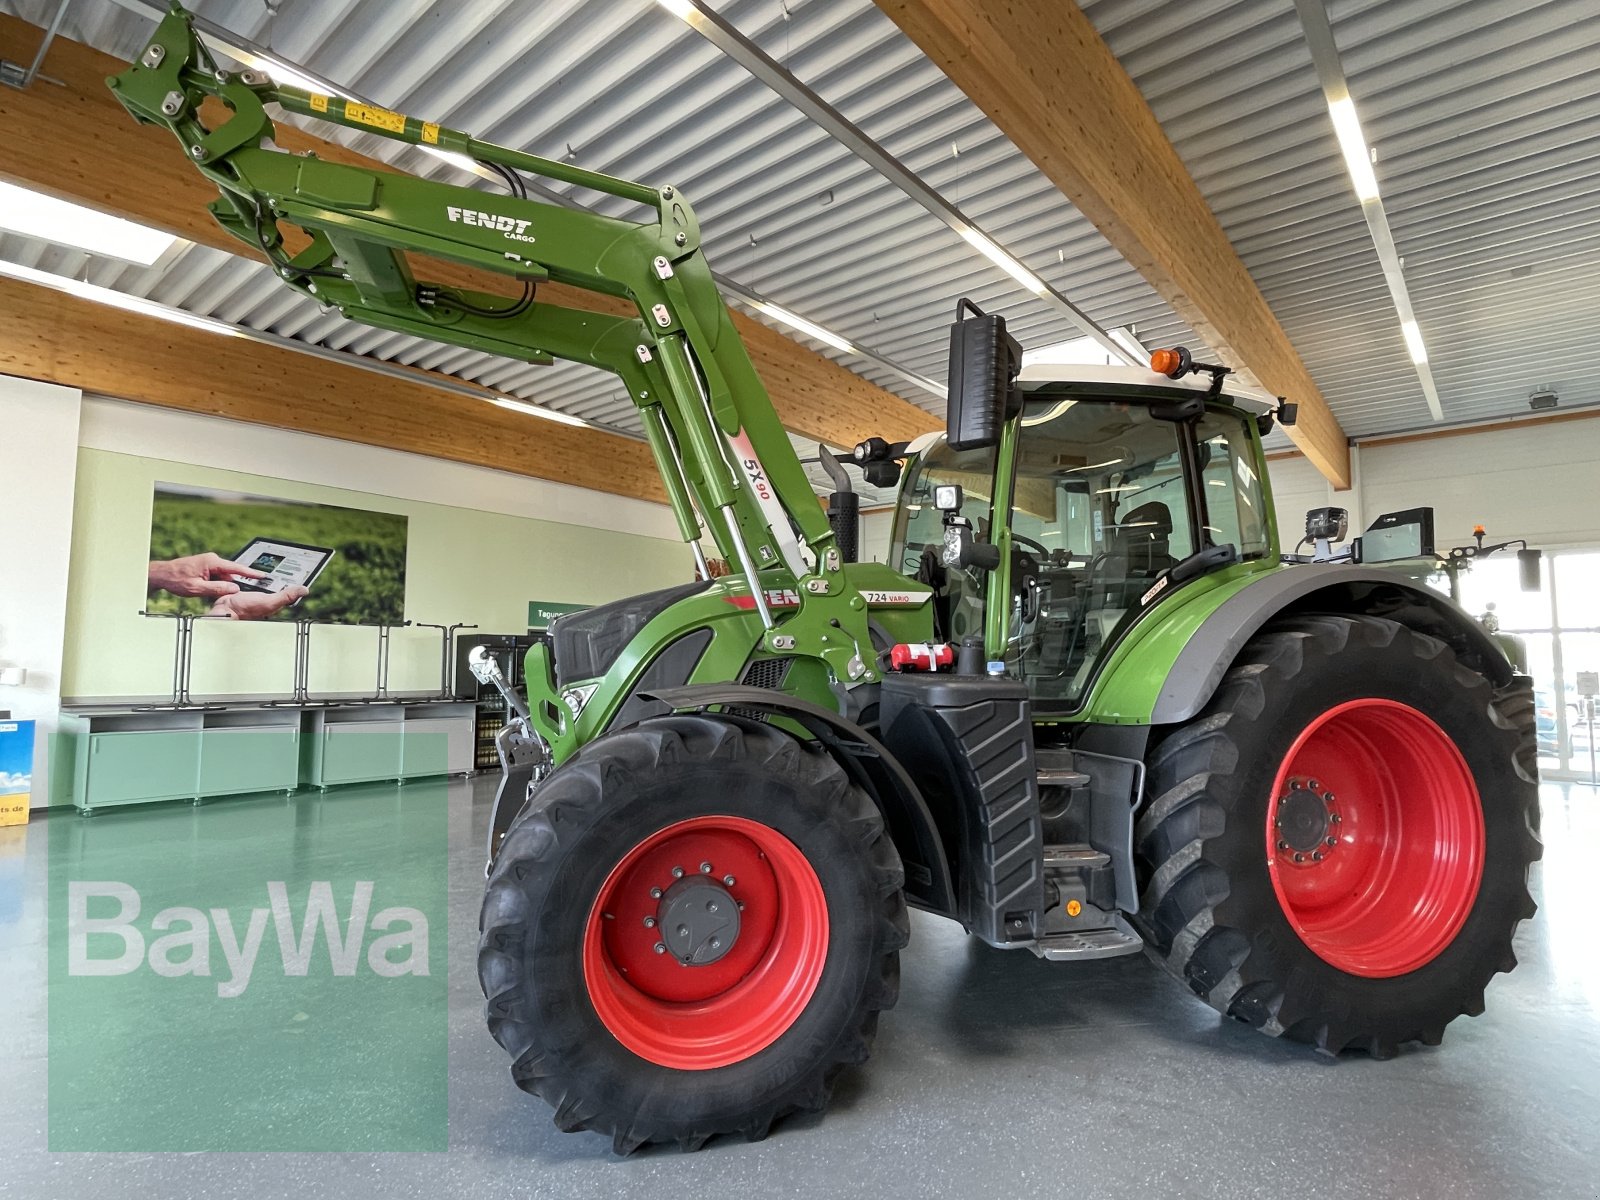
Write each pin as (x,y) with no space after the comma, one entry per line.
(430,133)
(378,118)
(319,103)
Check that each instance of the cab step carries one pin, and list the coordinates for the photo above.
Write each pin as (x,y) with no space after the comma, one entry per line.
(1076,856)
(1061,777)
(1080,945)
(1055,769)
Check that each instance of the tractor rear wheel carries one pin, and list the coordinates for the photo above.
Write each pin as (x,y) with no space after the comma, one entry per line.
(691,931)
(1337,848)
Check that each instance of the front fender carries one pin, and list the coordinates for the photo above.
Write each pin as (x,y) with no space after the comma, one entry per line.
(870,765)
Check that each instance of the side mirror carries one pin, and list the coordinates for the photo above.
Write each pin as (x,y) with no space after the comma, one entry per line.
(1528,568)
(984,363)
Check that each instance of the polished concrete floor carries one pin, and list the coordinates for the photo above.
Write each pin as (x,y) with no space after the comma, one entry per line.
(997,1076)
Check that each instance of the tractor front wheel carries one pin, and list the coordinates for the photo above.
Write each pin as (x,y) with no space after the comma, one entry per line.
(691,931)
(1337,849)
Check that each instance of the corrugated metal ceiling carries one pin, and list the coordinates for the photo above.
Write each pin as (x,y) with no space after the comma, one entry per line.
(1485,118)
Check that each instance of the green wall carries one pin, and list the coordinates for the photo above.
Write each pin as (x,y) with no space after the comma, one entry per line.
(463,565)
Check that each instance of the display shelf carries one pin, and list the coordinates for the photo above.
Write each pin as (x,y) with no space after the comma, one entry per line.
(126,755)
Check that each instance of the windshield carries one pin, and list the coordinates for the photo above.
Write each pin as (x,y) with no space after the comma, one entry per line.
(1099,509)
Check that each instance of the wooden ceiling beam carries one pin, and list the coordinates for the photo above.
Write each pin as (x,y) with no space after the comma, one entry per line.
(1043,74)
(68,136)
(58,338)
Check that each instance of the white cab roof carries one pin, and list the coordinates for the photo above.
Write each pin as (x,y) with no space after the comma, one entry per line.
(1038,372)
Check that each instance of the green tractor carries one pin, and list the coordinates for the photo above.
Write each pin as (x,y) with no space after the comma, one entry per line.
(1087,711)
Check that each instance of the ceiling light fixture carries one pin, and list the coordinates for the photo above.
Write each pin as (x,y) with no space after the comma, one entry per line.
(33,214)
(806,327)
(986,247)
(1124,338)
(104,295)
(535,410)
(286,76)
(460,161)
(1357,156)
(1413,336)
(1358,163)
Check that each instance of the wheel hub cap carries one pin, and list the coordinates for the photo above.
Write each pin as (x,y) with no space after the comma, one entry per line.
(699,921)
(1305,821)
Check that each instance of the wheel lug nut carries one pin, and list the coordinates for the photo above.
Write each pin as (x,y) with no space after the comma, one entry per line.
(1299,857)
(716,943)
(727,881)
(1313,785)
(677,872)
(705,868)
(1333,841)
(1317,857)
(660,947)
(655,893)
(683,931)
(711,906)
(741,906)
(1283,845)
(649,922)
(1334,818)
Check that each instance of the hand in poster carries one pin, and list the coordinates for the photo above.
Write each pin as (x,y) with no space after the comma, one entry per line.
(200,575)
(256,606)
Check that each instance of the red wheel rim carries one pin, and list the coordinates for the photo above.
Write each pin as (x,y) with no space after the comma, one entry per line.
(697,1017)
(1386,882)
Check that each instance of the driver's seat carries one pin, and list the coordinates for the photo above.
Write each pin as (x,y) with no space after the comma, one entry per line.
(1137,553)
(1140,546)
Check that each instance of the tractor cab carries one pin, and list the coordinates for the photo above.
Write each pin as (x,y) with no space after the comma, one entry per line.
(1099,493)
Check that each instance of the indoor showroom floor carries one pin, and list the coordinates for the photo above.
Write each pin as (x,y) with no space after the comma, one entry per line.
(998,1075)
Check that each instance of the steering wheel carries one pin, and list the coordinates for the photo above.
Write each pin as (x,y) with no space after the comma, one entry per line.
(1028,541)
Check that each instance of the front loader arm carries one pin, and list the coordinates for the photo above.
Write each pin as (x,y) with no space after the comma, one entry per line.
(721,450)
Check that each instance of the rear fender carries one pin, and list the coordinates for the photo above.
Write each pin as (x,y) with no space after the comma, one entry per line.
(1209,652)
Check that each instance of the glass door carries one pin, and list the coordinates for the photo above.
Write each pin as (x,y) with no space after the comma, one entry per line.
(1560,627)
(1577,624)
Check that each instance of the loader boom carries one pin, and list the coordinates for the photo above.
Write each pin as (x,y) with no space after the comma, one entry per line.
(722,453)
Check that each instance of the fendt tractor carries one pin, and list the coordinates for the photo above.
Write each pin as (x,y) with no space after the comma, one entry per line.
(1087,708)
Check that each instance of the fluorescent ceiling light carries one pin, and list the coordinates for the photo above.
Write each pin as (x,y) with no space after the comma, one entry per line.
(1084,351)
(103,295)
(1357,158)
(1136,348)
(822,335)
(36,215)
(1004,261)
(1413,335)
(456,159)
(535,410)
(681,9)
(283,72)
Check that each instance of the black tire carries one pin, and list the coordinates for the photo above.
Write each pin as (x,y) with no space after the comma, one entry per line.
(1209,912)
(561,851)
